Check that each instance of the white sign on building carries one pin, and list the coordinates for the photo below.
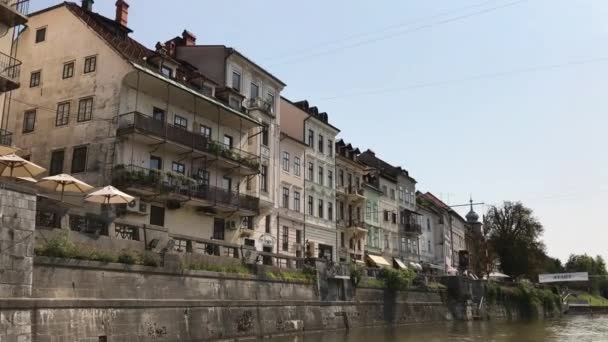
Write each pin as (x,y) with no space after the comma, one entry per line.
(561,277)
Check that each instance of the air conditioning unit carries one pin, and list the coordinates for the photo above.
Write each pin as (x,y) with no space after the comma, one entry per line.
(231,224)
(137,206)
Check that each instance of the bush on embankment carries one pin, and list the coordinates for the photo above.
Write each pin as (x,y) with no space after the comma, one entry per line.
(525,297)
(397,280)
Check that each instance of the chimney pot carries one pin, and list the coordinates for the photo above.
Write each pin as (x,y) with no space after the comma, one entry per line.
(188,38)
(122,12)
(87,5)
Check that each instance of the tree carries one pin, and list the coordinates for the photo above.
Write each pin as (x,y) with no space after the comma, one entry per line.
(551,265)
(586,263)
(514,235)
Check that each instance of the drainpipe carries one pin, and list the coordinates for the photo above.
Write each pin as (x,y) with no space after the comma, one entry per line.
(305,196)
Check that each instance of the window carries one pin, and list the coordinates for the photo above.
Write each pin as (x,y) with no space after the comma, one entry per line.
(158,114)
(204,176)
(375,211)
(330,178)
(268,218)
(320,143)
(320,179)
(384,190)
(156,163)
(35,78)
(180,122)
(330,211)
(342,240)
(392,194)
(234,102)
(270,100)
(29,121)
(341,177)
(311,168)
(68,70)
(40,35)
(311,138)
(228,141)
(157,215)
(56,166)
(296,166)
(340,210)
(386,244)
(298,236)
(207,90)
(349,180)
(428,242)
(394,218)
(254,91)
(368,210)
(90,64)
(428,224)
(286,161)
(386,215)
(310,206)
(330,148)
(205,131)
(178,168)
(85,109)
(250,242)
(264,178)
(227,183)
(285,238)
(285,197)
(79,159)
(296,201)
(236,81)
(265,131)
(248,222)
(320,208)
(63,114)
(167,71)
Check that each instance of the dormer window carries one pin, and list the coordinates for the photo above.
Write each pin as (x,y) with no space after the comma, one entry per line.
(167,71)
(207,90)
(234,102)
(270,100)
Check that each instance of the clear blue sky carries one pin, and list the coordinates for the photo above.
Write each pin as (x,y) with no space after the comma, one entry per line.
(536,135)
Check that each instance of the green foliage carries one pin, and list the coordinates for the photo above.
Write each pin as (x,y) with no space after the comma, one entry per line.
(397,280)
(291,275)
(514,236)
(586,263)
(525,296)
(356,273)
(371,282)
(205,266)
(436,286)
(128,257)
(593,300)
(150,259)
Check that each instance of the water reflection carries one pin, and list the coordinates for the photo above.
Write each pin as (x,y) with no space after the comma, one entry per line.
(572,328)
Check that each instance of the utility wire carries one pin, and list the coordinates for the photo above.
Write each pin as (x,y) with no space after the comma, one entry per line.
(370,33)
(499,74)
(398,33)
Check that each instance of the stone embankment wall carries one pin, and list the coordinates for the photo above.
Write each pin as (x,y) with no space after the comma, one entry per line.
(91,301)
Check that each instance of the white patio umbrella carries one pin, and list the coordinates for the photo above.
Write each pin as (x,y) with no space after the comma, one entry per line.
(109,195)
(11,165)
(4,150)
(64,182)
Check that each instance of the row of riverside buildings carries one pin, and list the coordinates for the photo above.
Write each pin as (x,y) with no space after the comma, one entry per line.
(203,138)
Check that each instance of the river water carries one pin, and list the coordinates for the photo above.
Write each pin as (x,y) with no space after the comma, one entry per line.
(571,328)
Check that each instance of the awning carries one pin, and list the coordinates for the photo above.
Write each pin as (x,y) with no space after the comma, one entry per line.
(359,262)
(378,261)
(437,267)
(416,265)
(399,264)
(498,275)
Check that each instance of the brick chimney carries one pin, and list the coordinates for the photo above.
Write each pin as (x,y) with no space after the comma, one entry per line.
(122,12)
(188,38)
(87,5)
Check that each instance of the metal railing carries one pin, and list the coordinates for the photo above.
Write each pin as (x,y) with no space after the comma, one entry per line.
(412,227)
(170,182)
(48,219)
(10,68)
(146,124)
(6,137)
(88,224)
(20,6)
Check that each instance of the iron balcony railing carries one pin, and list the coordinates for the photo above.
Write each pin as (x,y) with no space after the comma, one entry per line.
(135,121)
(6,137)
(19,6)
(173,183)
(10,69)
(411,228)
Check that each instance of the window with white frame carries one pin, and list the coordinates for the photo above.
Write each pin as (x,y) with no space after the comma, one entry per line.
(296,166)
(285,161)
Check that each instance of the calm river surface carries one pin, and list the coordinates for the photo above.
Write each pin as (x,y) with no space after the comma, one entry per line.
(572,328)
